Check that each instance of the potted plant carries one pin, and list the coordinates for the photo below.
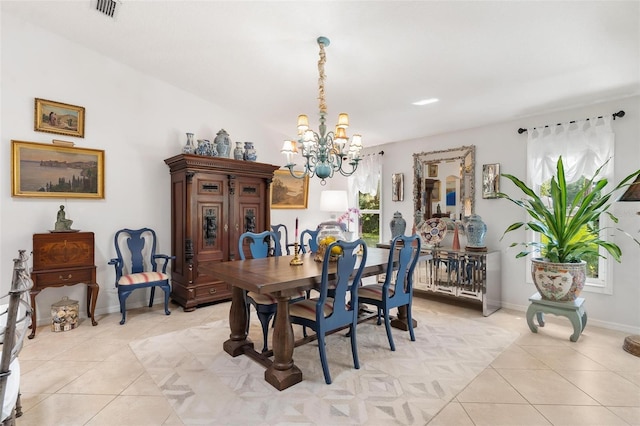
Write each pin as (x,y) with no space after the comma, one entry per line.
(569,230)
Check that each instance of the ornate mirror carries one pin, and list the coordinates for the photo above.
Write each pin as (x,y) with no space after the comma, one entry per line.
(444,183)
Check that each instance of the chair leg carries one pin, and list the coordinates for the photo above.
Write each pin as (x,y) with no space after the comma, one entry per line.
(354,347)
(379,314)
(153,295)
(323,357)
(410,323)
(264,322)
(387,325)
(167,291)
(123,305)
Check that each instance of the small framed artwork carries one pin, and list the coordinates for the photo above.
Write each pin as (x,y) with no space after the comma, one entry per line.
(435,194)
(490,180)
(288,192)
(433,170)
(56,171)
(397,187)
(56,117)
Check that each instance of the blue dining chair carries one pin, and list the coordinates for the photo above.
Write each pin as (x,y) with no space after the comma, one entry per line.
(308,238)
(324,314)
(397,289)
(262,245)
(137,266)
(281,230)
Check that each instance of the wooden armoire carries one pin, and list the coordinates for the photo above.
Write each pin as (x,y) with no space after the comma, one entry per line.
(213,201)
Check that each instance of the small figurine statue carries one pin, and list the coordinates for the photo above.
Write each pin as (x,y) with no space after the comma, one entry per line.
(63,224)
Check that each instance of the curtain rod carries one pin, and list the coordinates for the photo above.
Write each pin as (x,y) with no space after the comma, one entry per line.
(618,114)
(375,153)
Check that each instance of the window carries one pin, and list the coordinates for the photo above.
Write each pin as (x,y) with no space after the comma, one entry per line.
(369,206)
(585,146)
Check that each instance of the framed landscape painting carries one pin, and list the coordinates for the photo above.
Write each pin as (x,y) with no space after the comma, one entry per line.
(56,117)
(55,171)
(288,192)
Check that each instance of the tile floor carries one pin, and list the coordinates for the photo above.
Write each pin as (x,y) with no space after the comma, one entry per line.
(90,376)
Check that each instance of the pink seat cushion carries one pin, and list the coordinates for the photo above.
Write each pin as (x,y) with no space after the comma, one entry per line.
(374,291)
(268,299)
(307,308)
(142,277)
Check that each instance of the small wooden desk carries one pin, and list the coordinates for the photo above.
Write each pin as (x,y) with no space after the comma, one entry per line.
(61,259)
(275,276)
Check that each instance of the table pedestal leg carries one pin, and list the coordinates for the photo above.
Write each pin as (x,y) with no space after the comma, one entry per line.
(238,340)
(401,321)
(283,373)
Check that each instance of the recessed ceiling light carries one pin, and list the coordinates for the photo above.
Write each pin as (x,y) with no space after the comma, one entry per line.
(426,101)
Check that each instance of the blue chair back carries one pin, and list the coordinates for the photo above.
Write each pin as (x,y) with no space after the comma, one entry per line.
(138,259)
(261,244)
(309,237)
(281,230)
(408,251)
(339,286)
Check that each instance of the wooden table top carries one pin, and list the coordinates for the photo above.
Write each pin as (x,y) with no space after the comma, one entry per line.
(275,275)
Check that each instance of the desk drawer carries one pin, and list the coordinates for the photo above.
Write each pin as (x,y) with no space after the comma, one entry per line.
(62,277)
(215,291)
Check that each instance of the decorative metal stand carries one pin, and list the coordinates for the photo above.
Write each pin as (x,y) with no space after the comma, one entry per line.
(296,261)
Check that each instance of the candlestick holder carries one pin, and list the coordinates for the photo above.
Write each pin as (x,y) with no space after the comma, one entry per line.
(296,261)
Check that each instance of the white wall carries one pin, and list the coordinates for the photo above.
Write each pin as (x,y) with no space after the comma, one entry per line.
(139,121)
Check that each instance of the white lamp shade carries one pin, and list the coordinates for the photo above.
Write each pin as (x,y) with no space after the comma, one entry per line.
(333,201)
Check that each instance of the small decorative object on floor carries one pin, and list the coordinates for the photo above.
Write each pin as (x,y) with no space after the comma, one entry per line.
(222,143)
(189,147)
(250,152)
(398,225)
(476,230)
(238,152)
(64,315)
(62,223)
(632,344)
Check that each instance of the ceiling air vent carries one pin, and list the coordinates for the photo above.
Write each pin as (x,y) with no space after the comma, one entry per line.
(108,7)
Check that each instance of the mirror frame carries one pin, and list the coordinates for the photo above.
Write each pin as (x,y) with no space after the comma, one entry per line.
(466,155)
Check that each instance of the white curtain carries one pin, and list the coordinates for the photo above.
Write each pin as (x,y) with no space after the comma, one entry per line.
(584,146)
(366,177)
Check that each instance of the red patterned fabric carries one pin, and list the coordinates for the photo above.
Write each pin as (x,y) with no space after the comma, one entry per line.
(143,277)
(307,308)
(374,291)
(267,299)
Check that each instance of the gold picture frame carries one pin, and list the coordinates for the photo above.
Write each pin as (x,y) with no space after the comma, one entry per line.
(56,171)
(433,170)
(59,118)
(288,192)
(490,180)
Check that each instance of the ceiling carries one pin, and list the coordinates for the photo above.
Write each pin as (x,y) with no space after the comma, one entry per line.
(487,62)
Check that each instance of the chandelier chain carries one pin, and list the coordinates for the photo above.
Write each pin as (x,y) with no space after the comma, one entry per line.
(321,62)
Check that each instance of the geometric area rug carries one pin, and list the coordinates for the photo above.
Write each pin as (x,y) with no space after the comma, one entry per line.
(206,386)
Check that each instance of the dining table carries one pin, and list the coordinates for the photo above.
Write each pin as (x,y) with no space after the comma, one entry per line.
(278,277)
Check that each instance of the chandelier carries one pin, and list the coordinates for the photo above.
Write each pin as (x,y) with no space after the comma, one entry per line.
(324,152)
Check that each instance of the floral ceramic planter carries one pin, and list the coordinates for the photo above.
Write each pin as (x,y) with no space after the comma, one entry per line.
(560,282)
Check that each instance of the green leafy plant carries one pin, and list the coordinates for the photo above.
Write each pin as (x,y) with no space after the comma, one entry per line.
(570,227)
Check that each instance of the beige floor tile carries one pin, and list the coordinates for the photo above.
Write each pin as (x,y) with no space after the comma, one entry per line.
(134,410)
(143,385)
(546,387)
(489,386)
(579,415)
(68,410)
(504,415)
(52,376)
(451,414)
(606,387)
(562,358)
(630,414)
(173,420)
(613,357)
(518,358)
(109,378)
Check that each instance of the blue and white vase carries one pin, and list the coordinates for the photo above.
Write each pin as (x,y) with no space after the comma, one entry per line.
(398,225)
(476,230)
(250,152)
(222,143)
(189,147)
(238,152)
(206,148)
